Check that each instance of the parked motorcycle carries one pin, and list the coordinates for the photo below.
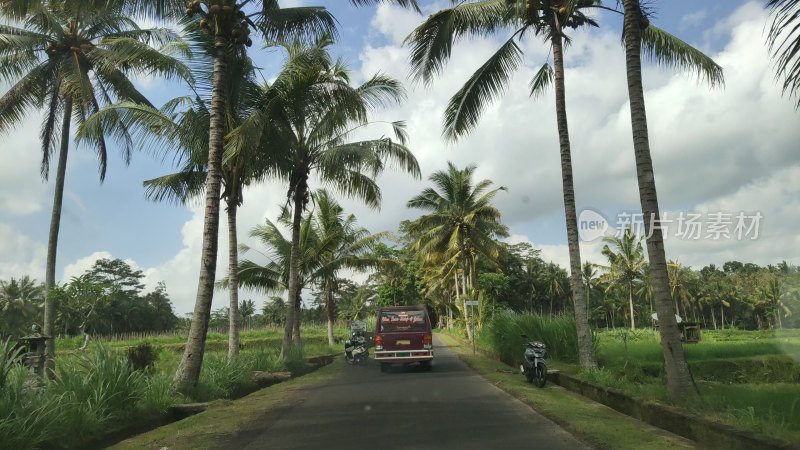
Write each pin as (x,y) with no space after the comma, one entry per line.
(535,367)
(355,347)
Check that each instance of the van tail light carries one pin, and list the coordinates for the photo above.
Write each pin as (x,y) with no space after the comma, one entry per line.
(378,343)
(427,341)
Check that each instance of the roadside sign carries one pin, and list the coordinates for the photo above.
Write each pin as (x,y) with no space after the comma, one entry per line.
(471,303)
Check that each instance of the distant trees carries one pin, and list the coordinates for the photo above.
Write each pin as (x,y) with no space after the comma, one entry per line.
(20,302)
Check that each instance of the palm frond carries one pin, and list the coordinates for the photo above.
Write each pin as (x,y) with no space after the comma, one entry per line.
(784,43)
(432,42)
(483,87)
(669,51)
(542,80)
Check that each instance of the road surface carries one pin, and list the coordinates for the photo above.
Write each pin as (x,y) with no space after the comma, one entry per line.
(406,408)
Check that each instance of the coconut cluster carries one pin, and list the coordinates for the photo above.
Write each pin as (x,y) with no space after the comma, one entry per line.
(222,17)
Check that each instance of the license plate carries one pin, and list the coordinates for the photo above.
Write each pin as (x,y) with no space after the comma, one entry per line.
(403,342)
(402,354)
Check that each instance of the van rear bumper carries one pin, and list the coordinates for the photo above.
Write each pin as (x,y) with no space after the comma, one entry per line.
(390,356)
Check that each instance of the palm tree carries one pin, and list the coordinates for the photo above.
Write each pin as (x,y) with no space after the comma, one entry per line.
(66,59)
(345,245)
(784,42)
(308,115)
(549,19)
(230,27)
(670,51)
(20,299)
(183,132)
(273,277)
(626,264)
(459,226)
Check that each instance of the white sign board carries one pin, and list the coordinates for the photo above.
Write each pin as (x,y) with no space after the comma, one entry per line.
(471,303)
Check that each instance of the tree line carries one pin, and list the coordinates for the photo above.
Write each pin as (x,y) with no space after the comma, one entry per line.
(108,298)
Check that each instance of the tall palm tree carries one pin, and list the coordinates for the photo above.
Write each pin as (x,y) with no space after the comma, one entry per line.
(784,42)
(346,246)
(67,59)
(183,132)
(666,50)
(308,115)
(460,224)
(230,27)
(626,264)
(431,45)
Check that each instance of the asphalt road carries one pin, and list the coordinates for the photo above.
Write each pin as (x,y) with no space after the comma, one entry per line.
(406,408)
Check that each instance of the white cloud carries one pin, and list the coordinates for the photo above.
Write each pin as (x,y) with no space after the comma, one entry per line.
(80,266)
(22,191)
(20,255)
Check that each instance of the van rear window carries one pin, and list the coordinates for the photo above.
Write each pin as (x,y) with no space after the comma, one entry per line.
(403,321)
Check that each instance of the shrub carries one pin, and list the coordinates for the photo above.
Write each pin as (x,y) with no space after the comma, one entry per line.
(142,356)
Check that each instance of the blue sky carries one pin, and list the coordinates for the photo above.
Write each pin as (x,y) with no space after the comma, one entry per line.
(705,157)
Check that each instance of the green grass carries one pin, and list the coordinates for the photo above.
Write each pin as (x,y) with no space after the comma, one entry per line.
(502,333)
(747,379)
(596,424)
(224,418)
(98,391)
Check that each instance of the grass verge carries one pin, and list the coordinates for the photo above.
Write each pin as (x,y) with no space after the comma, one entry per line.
(225,417)
(596,424)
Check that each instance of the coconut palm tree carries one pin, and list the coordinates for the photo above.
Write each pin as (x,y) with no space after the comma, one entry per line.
(66,59)
(667,50)
(784,42)
(20,300)
(460,225)
(308,115)
(227,23)
(431,45)
(345,245)
(180,127)
(626,264)
(273,276)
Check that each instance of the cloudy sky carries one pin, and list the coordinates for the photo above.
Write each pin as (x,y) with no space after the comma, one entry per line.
(727,150)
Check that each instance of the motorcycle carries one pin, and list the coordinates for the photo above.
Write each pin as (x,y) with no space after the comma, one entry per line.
(355,347)
(535,367)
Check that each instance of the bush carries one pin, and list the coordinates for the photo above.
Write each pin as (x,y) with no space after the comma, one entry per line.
(142,356)
(502,333)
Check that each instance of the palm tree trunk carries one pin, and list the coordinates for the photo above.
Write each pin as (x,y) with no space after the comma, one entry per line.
(329,310)
(466,310)
(189,368)
(585,346)
(52,240)
(713,318)
(630,302)
(298,303)
(680,383)
(291,307)
(722,316)
(233,276)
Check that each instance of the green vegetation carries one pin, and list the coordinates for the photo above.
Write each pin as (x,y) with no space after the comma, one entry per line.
(209,428)
(748,379)
(100,390)
(592,422)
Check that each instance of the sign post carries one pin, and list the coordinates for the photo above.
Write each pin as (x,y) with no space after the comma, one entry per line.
(472,304)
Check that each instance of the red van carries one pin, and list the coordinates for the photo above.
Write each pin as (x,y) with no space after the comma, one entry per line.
(403,336)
